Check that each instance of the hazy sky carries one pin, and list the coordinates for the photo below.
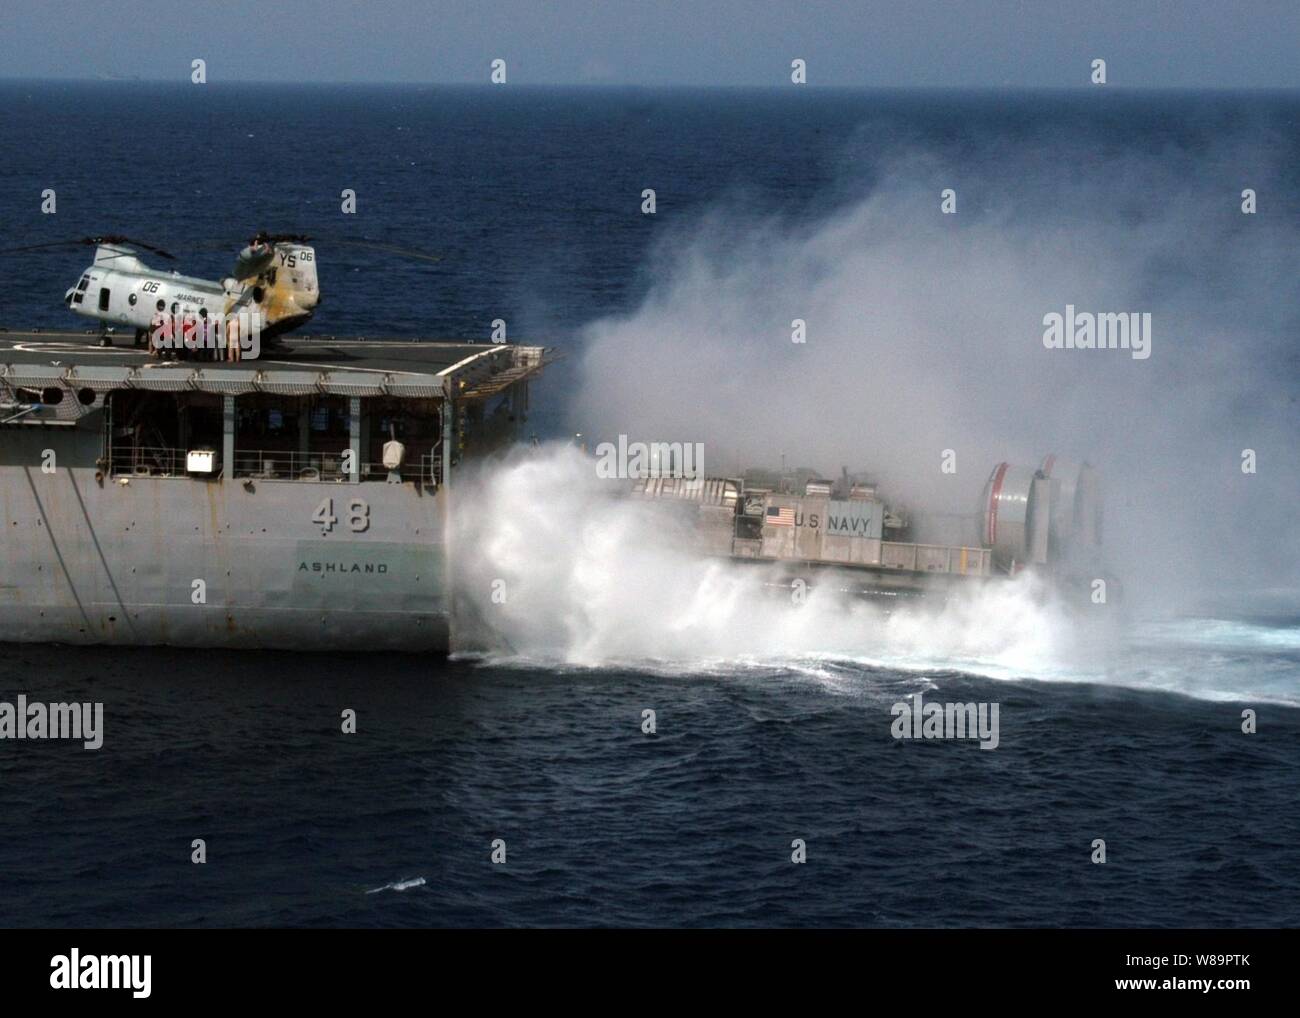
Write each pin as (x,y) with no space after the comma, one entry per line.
(1146,43)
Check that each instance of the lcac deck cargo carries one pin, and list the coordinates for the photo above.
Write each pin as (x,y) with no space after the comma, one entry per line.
(297,501)
(1047,519)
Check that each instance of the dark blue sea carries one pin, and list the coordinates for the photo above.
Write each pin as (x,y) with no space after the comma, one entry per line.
(532,199)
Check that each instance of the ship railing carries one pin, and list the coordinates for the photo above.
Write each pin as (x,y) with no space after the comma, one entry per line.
(431,466)
(423,471)
(127,459)
(146,461)
(279,465)
(936,558)
(954,560)
(273,465)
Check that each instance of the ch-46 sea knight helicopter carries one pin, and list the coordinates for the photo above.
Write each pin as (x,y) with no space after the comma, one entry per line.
(273,286)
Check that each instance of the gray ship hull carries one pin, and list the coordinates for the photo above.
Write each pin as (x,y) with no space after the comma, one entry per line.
(212,563)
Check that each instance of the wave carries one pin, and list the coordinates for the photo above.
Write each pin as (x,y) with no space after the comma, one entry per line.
(399,885)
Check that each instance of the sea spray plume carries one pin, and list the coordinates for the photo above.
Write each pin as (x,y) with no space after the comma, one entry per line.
(559,568)
(924,333)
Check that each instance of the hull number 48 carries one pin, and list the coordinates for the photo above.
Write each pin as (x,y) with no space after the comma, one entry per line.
(358,515)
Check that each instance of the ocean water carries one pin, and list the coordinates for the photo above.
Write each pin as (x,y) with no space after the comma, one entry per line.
(765,732)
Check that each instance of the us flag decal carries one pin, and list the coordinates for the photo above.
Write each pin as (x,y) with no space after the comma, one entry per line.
(780,516)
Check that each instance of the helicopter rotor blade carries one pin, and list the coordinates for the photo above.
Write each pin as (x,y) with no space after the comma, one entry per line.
(397,249)
(118,239)
(91,242)
(364,243)
(40,247)
(368,243)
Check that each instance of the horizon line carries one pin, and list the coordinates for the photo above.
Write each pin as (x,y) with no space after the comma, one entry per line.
(184,81)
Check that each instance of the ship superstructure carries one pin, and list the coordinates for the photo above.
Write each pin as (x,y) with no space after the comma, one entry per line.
(295,501)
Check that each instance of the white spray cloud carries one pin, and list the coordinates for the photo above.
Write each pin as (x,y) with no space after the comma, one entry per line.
(557,568)
(924,333)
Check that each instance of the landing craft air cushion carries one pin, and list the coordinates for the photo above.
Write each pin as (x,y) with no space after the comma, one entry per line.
(844,534)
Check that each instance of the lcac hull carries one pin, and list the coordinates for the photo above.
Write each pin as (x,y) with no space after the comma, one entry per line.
(199,563)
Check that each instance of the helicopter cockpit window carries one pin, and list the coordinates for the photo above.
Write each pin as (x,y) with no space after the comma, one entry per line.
(103,298)
(83,283)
